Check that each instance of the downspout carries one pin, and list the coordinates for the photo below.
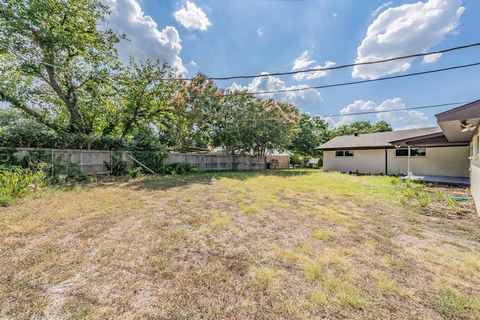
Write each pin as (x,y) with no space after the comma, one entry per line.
(409,174)
(386,162)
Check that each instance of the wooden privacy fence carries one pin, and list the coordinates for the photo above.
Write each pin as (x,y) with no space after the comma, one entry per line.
(90,162)
(97,162)
(214,162)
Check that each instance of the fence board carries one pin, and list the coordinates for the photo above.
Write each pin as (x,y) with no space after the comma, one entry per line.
(213,162)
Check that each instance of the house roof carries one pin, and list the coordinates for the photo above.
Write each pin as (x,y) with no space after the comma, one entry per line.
(460,124)
(375,140)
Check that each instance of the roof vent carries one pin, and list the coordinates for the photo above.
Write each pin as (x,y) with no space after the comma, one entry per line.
(355,134)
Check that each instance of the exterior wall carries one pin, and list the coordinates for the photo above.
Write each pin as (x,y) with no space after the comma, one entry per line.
(283,160)
(440,161)
(365,161)
(475,171)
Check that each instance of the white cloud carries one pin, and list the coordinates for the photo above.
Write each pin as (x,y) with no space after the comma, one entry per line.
(335,14)
(406,119)
(304,61)
(259,32)
(298,98)
(193,63)
(145,40)
(431,58)
(192,17)
(380,8)
(403,30)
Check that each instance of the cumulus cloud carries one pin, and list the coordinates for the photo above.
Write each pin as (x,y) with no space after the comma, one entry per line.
(406,119)
(403,30)
(305,61)
(145,39)
(381,8)
(298,98)
(192,17)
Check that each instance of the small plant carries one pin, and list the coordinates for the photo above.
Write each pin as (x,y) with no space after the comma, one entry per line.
(134,173)
(5,200)
(320,234)
(264,276)
(416,193)
(452,203)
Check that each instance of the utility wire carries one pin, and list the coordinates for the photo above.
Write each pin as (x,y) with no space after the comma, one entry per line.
(393,110)
(341,84)
(415,55)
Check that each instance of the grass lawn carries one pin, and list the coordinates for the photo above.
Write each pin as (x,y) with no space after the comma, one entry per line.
(297,244)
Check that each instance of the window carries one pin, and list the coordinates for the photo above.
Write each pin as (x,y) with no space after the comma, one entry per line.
(414,152)
(344,153)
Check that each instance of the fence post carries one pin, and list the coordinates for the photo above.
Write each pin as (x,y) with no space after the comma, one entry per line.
(53,164)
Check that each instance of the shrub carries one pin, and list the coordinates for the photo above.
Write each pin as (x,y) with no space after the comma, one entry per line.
(134,173)
(179,168)
(17,182)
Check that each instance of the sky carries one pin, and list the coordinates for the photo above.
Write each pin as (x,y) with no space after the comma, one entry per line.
(237,37)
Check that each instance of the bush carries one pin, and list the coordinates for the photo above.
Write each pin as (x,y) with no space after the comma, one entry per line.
(179,168)
(134,173)
(18,182)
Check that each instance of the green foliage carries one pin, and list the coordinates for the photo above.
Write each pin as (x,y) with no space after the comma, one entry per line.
(17,182)
(58,63)
(179,168)
(414,193)
(312,132)
(134,173)
(5,200)
(117,167)
(360,127)
(148,150)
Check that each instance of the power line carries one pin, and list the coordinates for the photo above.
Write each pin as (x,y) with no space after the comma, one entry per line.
(393,110)
(415,55)
(341,84)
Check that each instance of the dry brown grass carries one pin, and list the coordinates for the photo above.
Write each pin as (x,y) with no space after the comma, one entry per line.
(277,245)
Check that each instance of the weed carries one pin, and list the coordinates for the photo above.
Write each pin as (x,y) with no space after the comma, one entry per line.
(347,294)
(314,270)
(385,284)
(321,234)
(265,276)
(318,298)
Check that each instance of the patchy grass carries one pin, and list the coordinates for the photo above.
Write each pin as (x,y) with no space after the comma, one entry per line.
(283,244)
(453,304)
(265,276)
(321,234)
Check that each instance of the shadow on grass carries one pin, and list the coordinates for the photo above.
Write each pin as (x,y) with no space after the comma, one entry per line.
(167,182)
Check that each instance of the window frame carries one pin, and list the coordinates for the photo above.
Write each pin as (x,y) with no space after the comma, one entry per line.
(343,153)
(416,155)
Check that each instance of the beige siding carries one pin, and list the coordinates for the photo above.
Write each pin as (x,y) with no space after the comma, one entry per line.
(283,160)
(365,161)
(475,171)
(445,161)
(441,161)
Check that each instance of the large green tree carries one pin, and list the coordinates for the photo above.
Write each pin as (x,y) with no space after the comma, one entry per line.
(57,63)
(312,132)
(360,127)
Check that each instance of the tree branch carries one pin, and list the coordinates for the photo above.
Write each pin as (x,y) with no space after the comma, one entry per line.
(34,114)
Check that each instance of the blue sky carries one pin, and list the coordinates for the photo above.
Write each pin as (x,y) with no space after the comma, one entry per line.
(229,37)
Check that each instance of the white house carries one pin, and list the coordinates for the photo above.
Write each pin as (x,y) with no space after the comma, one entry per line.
(449,152)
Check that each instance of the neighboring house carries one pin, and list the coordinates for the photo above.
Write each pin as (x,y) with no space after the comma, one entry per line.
(313,163)
(281,159)
(450,150)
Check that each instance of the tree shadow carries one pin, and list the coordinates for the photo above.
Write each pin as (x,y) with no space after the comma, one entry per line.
(175,181)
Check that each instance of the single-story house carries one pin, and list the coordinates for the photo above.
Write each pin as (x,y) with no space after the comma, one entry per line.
(449,150)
